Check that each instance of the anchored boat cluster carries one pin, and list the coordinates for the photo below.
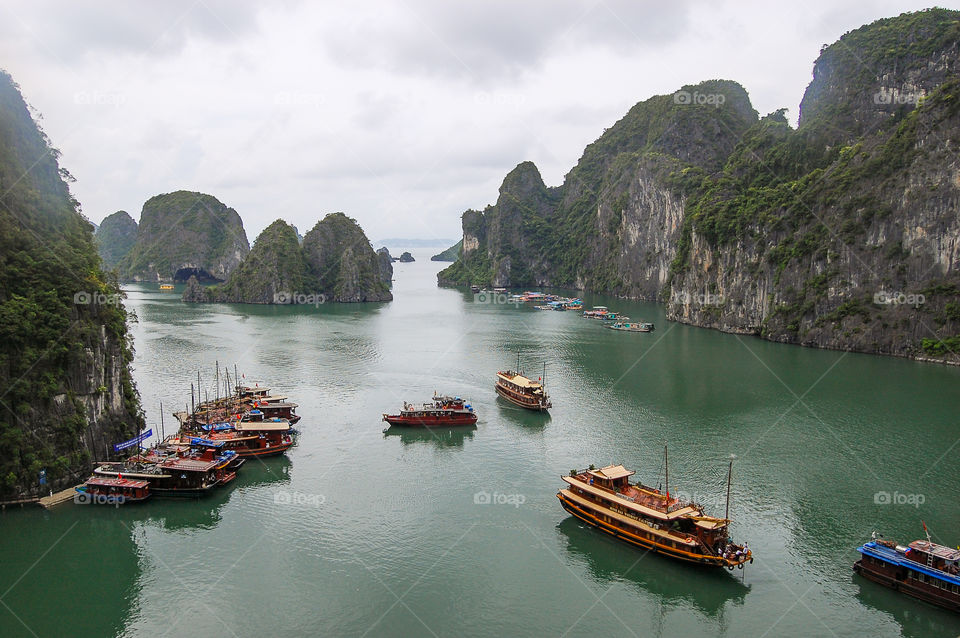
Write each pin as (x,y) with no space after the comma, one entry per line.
(215,438)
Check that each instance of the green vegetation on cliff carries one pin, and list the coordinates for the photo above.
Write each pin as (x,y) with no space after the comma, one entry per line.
(450,254)
(335,262)
(800,231)
(62,326)
(273,269)
(185,233)
(115,236)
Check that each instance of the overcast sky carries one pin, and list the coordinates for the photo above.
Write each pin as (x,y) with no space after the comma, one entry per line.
(400,114)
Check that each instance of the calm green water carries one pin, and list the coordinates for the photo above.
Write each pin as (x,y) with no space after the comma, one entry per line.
(361,531)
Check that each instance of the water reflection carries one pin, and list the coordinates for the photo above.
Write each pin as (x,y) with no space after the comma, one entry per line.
(676,584)
(916,618)
(528,419)
(442,438)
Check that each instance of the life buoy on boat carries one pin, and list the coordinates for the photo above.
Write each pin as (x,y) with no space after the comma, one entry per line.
(730,567)
(739,565)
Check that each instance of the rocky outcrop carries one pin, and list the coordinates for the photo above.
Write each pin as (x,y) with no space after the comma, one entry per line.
(195,292)
(406,258)
(385,262)
(115,236)
(68,393)
(275,271)
(183,234)
(335,263)
(343,262)
(843,233)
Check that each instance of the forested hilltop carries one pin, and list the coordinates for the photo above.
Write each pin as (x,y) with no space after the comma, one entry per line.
(66,391)
(334,263)
(842,233)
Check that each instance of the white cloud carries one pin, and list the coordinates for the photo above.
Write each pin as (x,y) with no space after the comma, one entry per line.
(399,114)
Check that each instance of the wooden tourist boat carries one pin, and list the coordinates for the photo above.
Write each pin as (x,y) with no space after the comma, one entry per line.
(923,569)
(247,438)
(442,412)
(519,390)
(113,491)
(166,287)
(634,326)
(647,518)
(174,472)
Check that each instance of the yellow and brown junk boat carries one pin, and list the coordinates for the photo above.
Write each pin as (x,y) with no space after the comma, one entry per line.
(645,517)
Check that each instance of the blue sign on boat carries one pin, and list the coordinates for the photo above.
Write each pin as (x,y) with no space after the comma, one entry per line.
(135,440)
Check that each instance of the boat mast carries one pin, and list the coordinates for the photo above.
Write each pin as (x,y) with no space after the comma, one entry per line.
(726,514)
(161,420)
(193,410)
(518,360)
(236,380)
(217,383)
(666,470)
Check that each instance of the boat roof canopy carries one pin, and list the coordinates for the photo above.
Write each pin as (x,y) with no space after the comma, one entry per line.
(116,482)
(263,426)
(612,472)
(520,380)
(940,551)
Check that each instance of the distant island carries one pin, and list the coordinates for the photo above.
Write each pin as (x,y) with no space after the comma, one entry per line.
(414,243)
(406,258)
(450,254)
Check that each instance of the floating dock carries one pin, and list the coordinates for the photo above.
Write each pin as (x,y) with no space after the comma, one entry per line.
(59,498)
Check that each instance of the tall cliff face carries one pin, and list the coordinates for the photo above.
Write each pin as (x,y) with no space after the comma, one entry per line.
(613,224)
(842,233)
(854,246)
(385,261)
(65,355)
(334,263)
(183,234)
(115,237)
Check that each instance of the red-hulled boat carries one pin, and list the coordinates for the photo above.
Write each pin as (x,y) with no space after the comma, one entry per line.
(112,491)
(443,411)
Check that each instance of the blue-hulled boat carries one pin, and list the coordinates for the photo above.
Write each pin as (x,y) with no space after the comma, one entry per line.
(923,569)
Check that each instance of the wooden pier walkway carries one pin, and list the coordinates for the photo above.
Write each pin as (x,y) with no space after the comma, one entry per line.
(63,496)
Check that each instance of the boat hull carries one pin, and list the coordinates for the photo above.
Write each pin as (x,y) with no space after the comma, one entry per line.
(273,450)
(637,538)
(506,394)
(431,421)
(888,577)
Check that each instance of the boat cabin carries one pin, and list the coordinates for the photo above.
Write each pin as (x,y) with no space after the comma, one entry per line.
(615,478)
(946,559)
